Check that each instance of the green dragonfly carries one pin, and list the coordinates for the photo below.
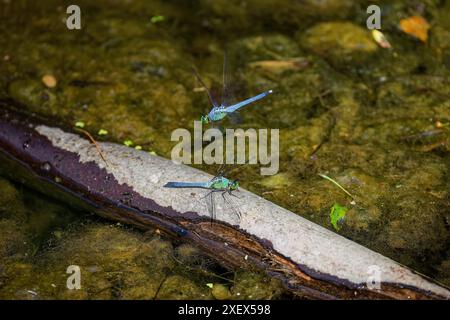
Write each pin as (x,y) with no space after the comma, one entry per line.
(218,184)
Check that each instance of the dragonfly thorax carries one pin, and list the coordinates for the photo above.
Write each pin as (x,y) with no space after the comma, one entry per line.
(217,113)
(222,183)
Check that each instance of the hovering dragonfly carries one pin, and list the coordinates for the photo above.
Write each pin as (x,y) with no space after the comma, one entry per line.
(224,109)
(217,184)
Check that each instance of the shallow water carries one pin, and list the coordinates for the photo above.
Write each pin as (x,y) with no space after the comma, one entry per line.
(347,108)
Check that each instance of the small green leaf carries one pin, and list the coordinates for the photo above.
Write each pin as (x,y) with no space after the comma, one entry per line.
(210,285)
(79,124)
(128,143)
(153,153)
(102,132)
(156,19)
(337,214)
(138,148)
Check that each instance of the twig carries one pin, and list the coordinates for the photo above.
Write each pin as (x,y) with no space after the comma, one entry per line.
(336,183)
(95,143)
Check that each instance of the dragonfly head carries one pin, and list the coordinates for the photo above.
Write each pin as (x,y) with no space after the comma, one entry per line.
(234,185)
(204,119)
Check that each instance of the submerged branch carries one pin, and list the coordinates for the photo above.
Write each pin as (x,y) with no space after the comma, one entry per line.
(310,260)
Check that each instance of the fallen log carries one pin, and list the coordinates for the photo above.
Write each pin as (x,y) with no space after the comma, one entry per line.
(310,260)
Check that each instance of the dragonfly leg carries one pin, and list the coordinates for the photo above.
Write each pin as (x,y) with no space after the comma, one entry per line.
(236,211)
(234,195)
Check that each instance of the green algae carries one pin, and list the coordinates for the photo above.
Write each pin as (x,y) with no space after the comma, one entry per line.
(346,112)
(40,239)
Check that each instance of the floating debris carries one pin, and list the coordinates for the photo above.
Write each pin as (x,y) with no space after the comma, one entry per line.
(416,26)
(49,81)
(210,285)
(138,147)
(380,39)
(279,66)
(337,215)
(102,132)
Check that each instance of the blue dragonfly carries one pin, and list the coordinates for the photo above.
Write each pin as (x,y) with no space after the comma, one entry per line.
(224,109)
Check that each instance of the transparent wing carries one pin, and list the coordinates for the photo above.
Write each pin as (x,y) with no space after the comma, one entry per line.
(227,85)
(235,118)
(210,202)
(231,206)
(210,96)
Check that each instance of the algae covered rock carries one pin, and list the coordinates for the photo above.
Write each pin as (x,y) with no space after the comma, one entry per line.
(220,292)
(268,47)
(340,42)
(179,288)
(416,229)
(277,181)
(255,286)
(11,202)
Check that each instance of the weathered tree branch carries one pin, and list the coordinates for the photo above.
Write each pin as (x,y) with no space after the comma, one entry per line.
(310,260)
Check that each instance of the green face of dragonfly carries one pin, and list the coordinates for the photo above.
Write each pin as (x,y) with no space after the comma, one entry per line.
(234,185)
(204,119)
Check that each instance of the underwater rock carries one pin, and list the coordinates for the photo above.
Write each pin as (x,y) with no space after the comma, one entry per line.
(179,288)
(277,181)
(231,16)
(407,97)
(188,254)
(11,204)
(416,229)
(444,271)
(115,264)
(36,97)
(340,42)
(269,47)
(254,286)
(361,219)
(16,281)
(44,217)
(14,242)
(220,292)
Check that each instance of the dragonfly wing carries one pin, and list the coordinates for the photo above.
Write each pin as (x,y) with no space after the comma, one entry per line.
(235,118)
(231,207)
(230,82)
(210,96)
(226,90)
(210,202)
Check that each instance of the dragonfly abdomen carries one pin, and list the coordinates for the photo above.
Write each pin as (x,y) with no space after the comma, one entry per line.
(186,185)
